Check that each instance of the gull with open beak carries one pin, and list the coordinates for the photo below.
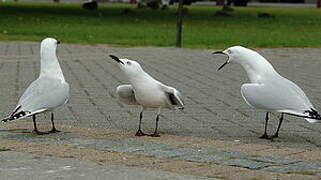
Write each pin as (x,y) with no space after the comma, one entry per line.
(268,90)
(146,91)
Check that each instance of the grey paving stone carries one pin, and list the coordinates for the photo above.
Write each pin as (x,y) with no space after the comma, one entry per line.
(245,163)
(293,169)
(309,164)
(173,152)
(145,149)
(234,154)
(274,159)
(205,157)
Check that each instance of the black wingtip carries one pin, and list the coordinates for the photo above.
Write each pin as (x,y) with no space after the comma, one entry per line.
(313,114)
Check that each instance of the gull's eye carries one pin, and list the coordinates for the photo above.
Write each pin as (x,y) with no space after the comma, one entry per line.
(128,63)
(229,51)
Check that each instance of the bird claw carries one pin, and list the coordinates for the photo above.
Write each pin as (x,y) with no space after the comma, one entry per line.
(54,131)
(140,133)
(265,136)
(275,136)
(39,132)
(154,135)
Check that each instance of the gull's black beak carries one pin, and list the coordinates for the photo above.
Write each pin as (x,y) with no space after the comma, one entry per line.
(116,59)
(58,42)
(220,52)
(222,66)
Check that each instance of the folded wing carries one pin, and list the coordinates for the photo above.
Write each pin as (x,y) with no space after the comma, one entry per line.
(284,97)
(43,94)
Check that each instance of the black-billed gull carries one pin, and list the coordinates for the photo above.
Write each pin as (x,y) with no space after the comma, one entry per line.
(144,90)
(47,92)
(268,90)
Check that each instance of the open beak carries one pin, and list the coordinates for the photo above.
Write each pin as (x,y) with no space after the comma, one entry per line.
(221,52)
(222,66)
(116,59)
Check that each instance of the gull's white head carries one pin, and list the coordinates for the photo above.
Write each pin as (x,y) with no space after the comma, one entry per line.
(48,46)
(254,64)
(129,67)
(49,61)
(239,55)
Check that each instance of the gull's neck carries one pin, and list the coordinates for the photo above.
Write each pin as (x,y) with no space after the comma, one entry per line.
(49,65)
(140,78)
(257,67)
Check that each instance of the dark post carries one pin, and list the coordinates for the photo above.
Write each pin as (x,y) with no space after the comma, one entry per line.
(179,23)
(220,2)
(318,3)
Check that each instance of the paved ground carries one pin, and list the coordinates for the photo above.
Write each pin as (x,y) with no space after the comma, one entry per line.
(214,107)
(15,164)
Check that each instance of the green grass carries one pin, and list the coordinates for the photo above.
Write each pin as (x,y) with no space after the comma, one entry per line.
(291,27)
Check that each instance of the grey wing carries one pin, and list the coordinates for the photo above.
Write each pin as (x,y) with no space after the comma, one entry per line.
(43,94)
(283,97)
(126,94)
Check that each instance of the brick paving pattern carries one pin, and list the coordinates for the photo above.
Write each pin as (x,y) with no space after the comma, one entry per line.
(214,107)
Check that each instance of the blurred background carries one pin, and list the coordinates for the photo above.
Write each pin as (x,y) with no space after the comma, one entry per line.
(206,24)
